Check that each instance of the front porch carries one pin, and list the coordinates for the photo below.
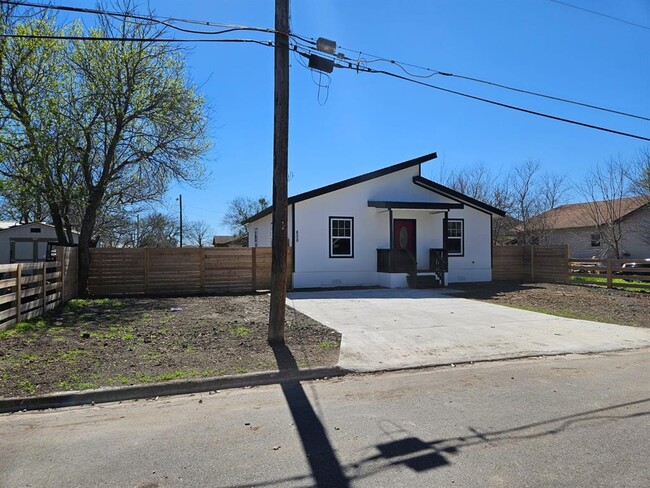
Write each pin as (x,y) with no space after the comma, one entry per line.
(404,264)
(417,255)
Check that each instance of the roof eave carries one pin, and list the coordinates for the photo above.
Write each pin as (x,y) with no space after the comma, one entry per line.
(346,183)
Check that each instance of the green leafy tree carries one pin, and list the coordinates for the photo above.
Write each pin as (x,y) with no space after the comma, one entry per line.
(96,126)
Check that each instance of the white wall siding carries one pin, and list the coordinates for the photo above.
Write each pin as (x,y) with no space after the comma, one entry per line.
(315,268)
(476,263)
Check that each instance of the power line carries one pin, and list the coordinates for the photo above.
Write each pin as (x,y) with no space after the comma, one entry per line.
(356,66)
(494,102)
(601,14)
(133,39)
(401,64)
(166,21)
(359,65)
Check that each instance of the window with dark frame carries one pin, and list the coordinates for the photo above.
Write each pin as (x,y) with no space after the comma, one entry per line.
(595,240)
(341,237)
(455,245)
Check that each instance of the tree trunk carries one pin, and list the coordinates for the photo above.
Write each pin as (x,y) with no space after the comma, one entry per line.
(85,236)
(57,220)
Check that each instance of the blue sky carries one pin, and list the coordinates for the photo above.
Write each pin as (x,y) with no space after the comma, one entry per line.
(370,121)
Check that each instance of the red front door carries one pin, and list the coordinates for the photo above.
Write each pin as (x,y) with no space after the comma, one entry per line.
(404,235)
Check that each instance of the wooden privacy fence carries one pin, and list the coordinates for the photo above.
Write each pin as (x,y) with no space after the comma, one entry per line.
(609,272)
(176,271)
(30,289)
(530,263)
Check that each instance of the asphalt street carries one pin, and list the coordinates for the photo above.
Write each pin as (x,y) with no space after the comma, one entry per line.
(574,421)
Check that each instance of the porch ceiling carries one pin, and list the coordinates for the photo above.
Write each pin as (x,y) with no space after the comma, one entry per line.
(414,205)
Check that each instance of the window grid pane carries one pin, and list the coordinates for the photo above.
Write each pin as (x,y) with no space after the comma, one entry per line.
(341,237)
(454,237)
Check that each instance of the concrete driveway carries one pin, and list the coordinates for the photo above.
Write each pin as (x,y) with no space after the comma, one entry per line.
(387,329)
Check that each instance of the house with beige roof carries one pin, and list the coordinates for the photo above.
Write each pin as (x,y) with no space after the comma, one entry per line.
(590,228)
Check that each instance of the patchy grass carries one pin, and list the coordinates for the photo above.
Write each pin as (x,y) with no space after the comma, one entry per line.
(81,303)
(71,356)
(241,331)
(620,283)
(106,342)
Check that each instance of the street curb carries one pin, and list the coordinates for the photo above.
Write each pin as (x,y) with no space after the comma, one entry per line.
(175,387)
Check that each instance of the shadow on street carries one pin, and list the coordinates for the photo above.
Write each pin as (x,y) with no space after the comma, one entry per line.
(325,467)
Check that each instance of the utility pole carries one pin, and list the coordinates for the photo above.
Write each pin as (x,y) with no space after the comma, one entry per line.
(180,212)
(280,163)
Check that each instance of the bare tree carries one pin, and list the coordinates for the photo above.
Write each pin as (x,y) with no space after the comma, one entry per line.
(639,173)
(158,230)
(605,188)
(533,195)
(198,232)
(240,209)
(479,182)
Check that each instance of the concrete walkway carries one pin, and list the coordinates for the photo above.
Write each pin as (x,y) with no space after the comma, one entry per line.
(399,328)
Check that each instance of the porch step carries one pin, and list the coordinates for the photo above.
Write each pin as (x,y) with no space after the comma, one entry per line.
(424,280)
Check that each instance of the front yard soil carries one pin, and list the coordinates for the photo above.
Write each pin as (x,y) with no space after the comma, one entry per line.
(573,301)
(111,342)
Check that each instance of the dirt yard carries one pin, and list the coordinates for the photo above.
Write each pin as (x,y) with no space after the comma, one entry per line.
(573,301)
(109,342)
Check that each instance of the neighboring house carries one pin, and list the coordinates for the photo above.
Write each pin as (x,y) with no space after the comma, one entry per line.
(377,228)
(574,225)
(23,243)
(229,241)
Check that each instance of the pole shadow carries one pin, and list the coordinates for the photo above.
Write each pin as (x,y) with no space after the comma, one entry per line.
(325,466)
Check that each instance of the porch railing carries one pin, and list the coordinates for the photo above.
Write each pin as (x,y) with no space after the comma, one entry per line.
(439,263)
(395,261)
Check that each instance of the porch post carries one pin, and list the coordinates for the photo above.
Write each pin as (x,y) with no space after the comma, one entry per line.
(390,227)
(391,239)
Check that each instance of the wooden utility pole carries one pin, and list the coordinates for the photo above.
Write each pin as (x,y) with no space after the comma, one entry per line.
(280,162)
(180,216)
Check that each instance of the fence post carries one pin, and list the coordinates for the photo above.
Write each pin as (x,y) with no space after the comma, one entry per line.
(19,284)
(146,270)
(201,269)
(532,263)
(609,273)
(60,267)
(254,268)
(44,282)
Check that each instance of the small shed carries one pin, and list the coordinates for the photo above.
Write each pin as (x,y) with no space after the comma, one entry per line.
(25,243)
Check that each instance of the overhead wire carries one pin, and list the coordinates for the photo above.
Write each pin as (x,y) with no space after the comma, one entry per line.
(133,39)
(618,19)
(165,21)
(401,64)
(360,65)
(494,102)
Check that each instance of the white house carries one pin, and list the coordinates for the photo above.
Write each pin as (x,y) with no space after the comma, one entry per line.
(391,227)
(26,242)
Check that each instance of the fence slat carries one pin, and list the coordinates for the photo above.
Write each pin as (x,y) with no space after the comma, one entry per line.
(152,271)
